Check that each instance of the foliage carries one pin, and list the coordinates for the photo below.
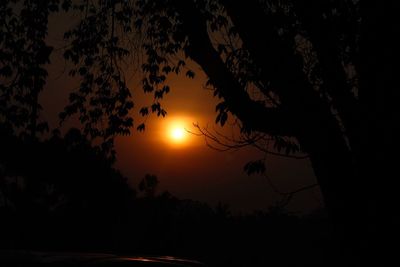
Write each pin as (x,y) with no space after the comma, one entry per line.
(299,76)
(253,167)
(60,174)
(23,55)
(103,100)
(148,185)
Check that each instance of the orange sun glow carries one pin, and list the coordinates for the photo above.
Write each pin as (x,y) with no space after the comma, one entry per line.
(177,133)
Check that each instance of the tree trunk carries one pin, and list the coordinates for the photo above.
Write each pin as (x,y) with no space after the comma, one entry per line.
(339,184)
(342,165)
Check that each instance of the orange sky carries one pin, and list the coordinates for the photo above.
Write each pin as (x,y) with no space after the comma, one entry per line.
(196,171)
(190,169)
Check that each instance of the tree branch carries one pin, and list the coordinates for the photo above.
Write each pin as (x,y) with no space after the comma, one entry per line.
(324,36)
(253,115)
(224,143)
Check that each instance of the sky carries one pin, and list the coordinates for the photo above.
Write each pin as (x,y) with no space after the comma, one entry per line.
(188,168)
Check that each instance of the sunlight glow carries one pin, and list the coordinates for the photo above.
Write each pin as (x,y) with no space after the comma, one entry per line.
(176,132)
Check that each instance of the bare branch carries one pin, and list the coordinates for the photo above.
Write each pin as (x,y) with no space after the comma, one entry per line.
(221,142)
(288,196)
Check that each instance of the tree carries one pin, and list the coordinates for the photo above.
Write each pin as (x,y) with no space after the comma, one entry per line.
(23,56)
(287,70)
(148,185)
(313,66)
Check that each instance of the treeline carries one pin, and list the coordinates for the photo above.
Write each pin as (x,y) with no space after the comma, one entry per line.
(62,194)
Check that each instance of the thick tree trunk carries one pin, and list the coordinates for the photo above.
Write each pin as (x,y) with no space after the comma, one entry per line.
(342,166)
(334,170)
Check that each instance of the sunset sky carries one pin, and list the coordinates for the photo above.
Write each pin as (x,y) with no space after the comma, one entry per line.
(200,132)
(185,166)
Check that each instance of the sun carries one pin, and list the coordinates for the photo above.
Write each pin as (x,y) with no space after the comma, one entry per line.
(176,133)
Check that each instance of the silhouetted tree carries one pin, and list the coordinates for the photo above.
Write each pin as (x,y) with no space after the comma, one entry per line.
(24,53)
(148,185)
(60,188)
(298,69)
(289,70)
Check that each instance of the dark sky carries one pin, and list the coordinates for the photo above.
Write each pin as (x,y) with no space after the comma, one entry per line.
(189,169)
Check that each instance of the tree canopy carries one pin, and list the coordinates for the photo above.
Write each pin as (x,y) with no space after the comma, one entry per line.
(302,75)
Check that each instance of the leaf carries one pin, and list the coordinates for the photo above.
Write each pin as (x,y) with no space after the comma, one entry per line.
(155,107)
(220,106)
(221,49)
(222,117)
(190,74)
(162,112)
(166,89)
(166,69)
(181,63)
(141,127)
(144,111)
(254,167)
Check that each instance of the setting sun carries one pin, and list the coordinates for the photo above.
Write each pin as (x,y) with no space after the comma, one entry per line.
(178,134)
(176,131)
